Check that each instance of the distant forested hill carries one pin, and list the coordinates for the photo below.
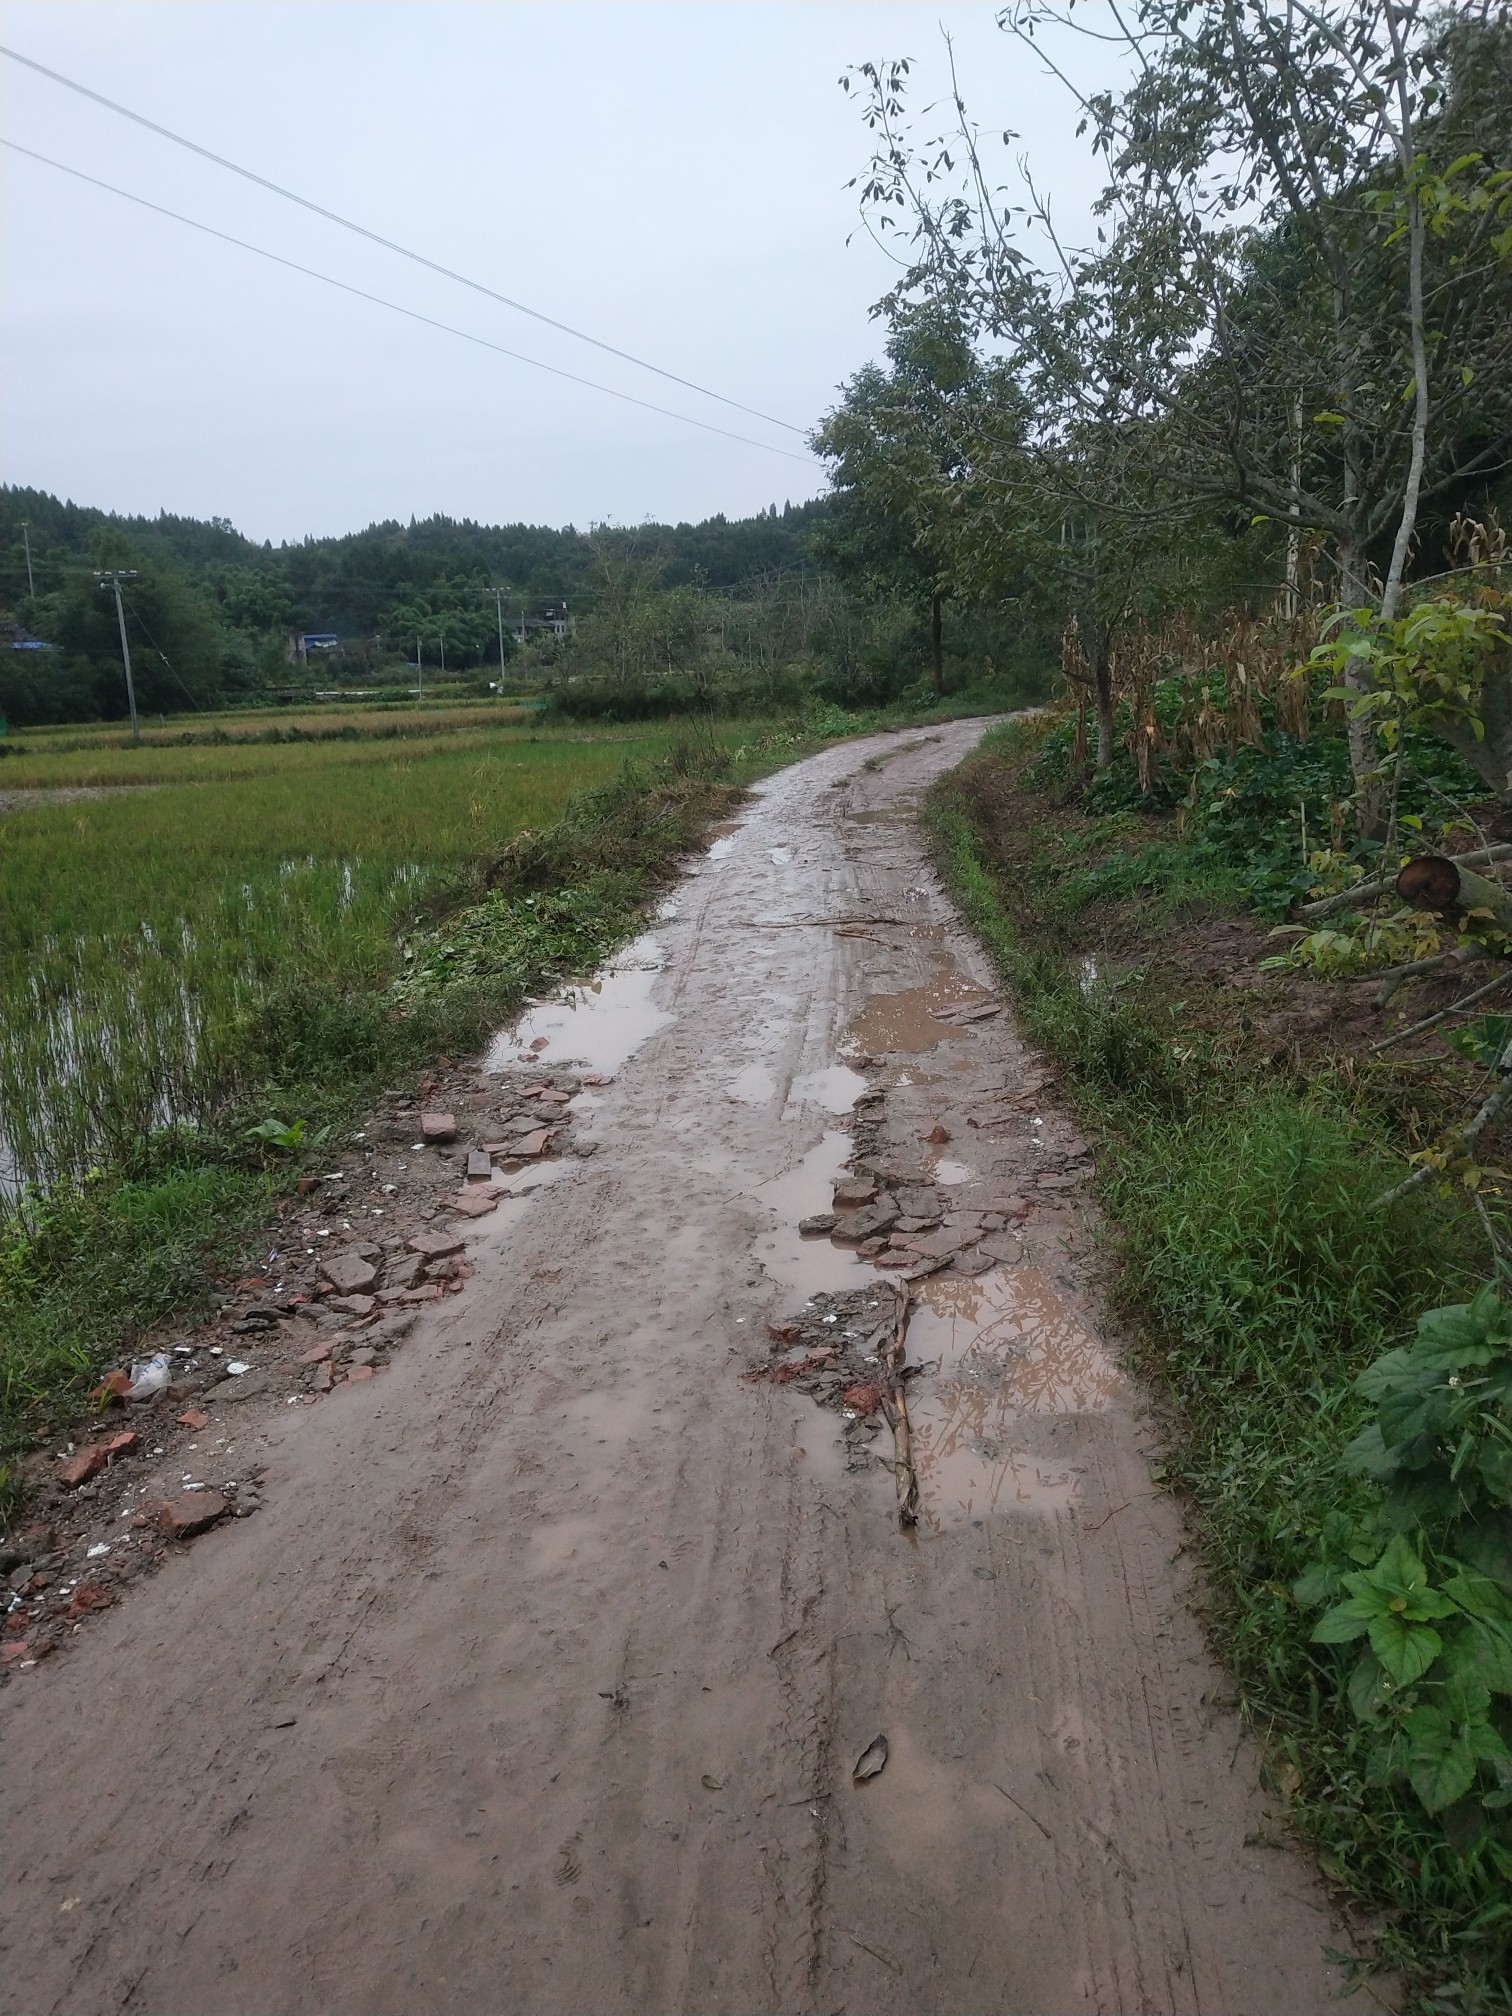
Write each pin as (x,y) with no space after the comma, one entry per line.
(210,611)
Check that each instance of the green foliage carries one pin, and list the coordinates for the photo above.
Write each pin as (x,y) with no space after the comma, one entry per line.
(1261,1286)
(1434,1605)
(1483,1041)
(1246,811)
(287,1140)
(83,1271)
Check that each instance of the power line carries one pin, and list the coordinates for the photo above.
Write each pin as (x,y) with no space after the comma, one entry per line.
(388,244)
(312,273)
(137,614)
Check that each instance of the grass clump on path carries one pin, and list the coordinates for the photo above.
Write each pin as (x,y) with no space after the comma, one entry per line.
(1261,1282)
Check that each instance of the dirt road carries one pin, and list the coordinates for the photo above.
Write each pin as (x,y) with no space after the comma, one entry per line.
(538,1683)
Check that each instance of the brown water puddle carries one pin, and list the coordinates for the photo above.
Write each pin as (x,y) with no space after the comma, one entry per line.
(808,1266)
(1009,1350)
(908,1022)
(599,1025)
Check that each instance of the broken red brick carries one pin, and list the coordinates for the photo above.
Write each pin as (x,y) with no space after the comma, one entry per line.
(317,1353)
(119,1445)
(112,1389)
(531,1145)
(77,1470)
(358,1372)
(475,1203)
(93,1596)
(190,1513)
(865,1399)
(325,1377)
(784,1333)
(192,1418)
(349,1273)
(438,1128)
(354,1305)
(14,1651)
(306,1184)
(436,1245)
(939,1134)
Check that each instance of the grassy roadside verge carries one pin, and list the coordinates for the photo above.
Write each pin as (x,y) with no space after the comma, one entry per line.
(1257,1280)
(149,1234)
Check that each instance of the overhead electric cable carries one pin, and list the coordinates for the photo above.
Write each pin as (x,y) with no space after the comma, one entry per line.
(389,244)
(312,273)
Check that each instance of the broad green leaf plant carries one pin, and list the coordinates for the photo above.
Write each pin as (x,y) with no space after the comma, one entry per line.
(1422,1579)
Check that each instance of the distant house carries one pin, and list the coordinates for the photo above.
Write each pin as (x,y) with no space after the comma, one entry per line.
(22,640)
(302,642)
(551,618)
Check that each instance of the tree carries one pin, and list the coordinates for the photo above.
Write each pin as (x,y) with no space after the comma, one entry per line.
(897,444)
(1297,305)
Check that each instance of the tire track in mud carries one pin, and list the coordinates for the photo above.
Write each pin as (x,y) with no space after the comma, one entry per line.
(537,1684)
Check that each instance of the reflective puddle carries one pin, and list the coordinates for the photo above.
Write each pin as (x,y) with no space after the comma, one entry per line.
(1009,1351)
(836,1089)
(598,1025)
(808,1266)
(755,1086)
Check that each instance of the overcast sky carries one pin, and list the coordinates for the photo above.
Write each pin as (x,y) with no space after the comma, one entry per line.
(669,178)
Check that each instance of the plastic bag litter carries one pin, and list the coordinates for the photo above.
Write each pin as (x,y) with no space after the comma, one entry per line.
(149,1377)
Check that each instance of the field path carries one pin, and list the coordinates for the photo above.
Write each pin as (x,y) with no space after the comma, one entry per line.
(538,1683)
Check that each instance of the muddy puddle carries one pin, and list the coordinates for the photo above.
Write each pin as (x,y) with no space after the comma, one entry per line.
(808,1266)
(599,1025)
(754,1086)
(1002,1352)
(910,1022)
(835,1089)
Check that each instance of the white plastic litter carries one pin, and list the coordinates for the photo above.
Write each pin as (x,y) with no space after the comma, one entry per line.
(149,1376)
(236,1367)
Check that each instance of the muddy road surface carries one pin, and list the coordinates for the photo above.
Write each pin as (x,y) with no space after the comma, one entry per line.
(539,1682)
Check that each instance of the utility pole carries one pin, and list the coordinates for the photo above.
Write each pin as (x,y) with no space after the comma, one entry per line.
(443,654)
(498,595)
(113,579)
(31,586)
(420,668)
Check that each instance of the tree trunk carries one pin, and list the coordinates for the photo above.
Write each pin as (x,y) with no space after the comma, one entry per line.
(1417,320)
(1364,757)
(936,654)
(1102,676)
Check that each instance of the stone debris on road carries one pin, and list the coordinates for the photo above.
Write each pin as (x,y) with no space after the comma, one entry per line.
(325,1273)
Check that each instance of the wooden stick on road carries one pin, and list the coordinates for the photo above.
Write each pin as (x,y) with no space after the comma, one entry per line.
(895,1406)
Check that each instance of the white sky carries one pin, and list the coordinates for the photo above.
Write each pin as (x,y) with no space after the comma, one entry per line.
(668,177)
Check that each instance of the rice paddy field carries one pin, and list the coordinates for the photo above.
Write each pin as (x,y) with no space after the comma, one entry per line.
(155,898)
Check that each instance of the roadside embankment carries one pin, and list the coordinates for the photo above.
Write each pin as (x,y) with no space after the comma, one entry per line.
(1245,1138)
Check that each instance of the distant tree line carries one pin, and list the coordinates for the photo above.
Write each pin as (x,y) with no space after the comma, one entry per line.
(728,613)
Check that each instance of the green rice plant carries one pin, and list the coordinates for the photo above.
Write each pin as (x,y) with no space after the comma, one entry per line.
(159,941)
